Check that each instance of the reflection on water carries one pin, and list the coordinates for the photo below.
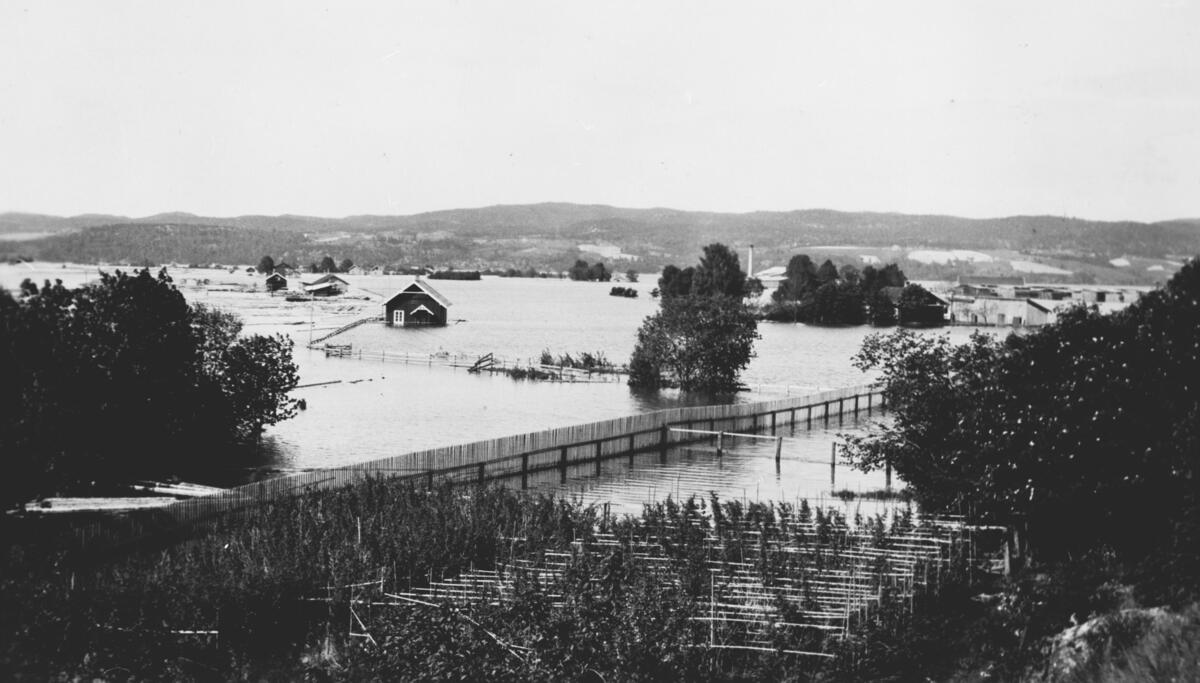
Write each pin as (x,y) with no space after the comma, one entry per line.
(383,409)
(747,470)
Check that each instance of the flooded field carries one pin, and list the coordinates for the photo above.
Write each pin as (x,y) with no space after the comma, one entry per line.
(361,410)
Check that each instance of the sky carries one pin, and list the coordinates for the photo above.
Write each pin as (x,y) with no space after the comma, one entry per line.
(1088,109)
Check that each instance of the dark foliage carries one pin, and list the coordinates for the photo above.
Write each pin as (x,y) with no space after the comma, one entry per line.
(701,339)
(1084,434)
(596,272)
(835,296)
(459,275)
(122,379)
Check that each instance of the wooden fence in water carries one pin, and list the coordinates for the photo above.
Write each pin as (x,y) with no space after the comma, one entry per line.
(511,456)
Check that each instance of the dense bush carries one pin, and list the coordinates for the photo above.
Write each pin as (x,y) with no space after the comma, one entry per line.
(123,379)
(1084,434)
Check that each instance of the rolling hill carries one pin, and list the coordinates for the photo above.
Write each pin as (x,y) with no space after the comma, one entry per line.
(547,236)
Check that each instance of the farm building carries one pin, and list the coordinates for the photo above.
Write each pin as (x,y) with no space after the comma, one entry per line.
(416,304)
(276,282)
(326,285)
(921,308)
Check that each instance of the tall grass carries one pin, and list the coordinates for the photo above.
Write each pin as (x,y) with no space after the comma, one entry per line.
(276,592)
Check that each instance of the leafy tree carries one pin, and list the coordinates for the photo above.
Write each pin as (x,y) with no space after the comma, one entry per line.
(837,303)
(327,265)
(703,334)
(598,273)
(579,271)
(631,275)
(850,274)
(719,273)
(676,282)
(827,272)
(1084,433)
(874,279)
(266,265)
(696,343)
(345,265)
(881,312)
(122,379)
(800,280)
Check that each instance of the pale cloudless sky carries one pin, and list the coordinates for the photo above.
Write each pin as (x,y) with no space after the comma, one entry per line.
(1088,109)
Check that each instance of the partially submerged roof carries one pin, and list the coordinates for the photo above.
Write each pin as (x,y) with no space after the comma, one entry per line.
(417,286)
(328,277)
(317,288)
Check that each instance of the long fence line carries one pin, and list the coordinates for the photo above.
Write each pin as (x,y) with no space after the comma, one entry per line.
(510,456)
(562,373)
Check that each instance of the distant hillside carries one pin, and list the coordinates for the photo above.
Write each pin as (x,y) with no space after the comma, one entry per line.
(548,235)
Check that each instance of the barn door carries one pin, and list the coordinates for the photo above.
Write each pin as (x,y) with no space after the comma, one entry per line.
(398,317)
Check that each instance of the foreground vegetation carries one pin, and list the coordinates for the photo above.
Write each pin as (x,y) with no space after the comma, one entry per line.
(122,379)
(269,593)
(1083,437)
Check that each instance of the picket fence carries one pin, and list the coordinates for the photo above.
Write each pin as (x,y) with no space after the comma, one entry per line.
(510,456)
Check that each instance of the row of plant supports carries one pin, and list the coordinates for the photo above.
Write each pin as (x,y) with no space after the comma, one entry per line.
(776,577)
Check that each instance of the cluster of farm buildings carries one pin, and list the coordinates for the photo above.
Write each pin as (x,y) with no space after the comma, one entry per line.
(1009,301)
(417,303)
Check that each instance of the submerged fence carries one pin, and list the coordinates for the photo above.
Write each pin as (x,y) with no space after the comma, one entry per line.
(510,456)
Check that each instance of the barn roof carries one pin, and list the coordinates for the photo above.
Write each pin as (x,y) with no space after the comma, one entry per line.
(328,277)
(422,286)
(317,288)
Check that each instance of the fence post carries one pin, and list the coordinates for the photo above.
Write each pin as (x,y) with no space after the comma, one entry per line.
(778,449)
(524,470)
(720,443)
(832,465)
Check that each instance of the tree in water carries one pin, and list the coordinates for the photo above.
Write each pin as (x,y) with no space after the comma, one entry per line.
(676,282)
(800,280)
(702,337)
(719,274)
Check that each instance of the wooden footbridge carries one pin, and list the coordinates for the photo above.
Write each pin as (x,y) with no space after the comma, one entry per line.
(514,456)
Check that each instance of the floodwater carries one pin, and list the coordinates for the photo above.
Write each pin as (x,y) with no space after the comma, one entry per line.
(372,409)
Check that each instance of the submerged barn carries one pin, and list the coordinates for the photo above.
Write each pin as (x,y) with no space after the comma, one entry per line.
(416,304)
(276,282)
(327,285)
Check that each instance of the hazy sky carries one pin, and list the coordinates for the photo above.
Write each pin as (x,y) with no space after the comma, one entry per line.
(1088,109)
